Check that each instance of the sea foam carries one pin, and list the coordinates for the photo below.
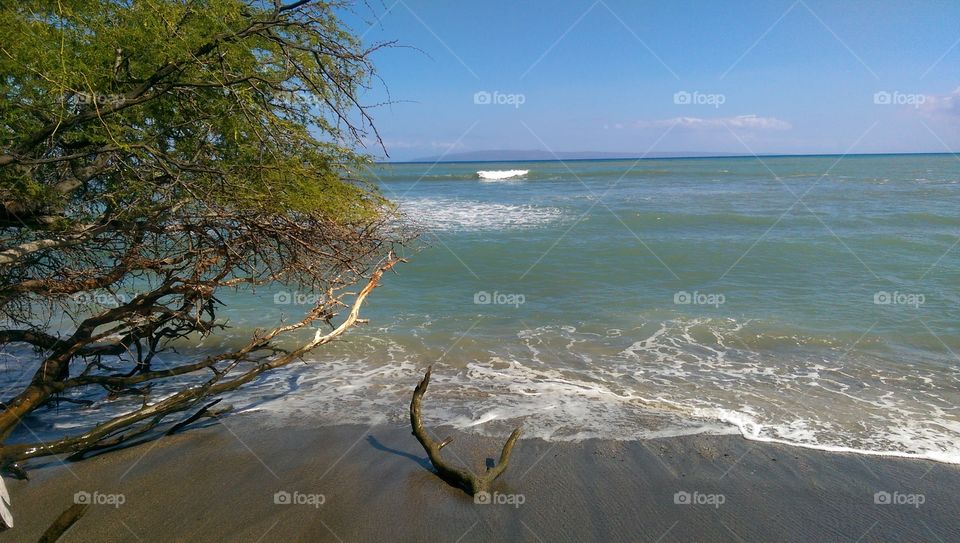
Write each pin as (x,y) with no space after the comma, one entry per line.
(686,376)
(449,214)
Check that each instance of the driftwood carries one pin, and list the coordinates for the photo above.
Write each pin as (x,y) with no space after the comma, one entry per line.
(203,412)
(63,523)
(460,478)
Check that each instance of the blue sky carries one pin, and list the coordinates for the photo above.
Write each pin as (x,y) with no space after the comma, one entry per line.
(634,77)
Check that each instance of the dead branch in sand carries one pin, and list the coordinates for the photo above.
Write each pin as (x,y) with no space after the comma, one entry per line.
(460,478)
(64,522)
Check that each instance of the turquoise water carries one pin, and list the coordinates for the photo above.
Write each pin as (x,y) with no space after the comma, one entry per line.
(806,300)
(787,335)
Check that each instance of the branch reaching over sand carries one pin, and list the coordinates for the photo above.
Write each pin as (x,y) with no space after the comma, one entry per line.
(140,422)
(460,478)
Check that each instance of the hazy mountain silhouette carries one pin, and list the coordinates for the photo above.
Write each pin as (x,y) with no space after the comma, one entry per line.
(510,155)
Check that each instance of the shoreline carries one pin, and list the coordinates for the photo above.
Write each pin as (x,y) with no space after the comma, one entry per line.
(361,483)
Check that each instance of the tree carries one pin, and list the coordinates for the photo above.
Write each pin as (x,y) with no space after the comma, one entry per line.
(154,154)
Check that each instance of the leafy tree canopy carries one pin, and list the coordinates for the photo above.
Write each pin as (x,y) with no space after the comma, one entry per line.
(172,148)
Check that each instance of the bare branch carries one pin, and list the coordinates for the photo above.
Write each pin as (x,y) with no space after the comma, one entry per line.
(121,429)
(64,522)
(457,477)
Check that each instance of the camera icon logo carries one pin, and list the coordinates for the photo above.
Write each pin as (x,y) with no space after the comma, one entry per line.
(482,98)
(282,497)
(482,498)
(882,98)
(682,298)
(682,98)
(482,298)
(882,498)
(282,298)
(82,498)
(682,498)
(882,298)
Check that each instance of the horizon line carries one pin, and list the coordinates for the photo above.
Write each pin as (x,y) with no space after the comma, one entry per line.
(692,157)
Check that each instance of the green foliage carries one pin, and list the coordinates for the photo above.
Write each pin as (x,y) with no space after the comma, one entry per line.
(249,119)
(173,149)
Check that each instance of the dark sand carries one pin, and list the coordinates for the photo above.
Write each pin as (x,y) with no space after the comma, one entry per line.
(218,484)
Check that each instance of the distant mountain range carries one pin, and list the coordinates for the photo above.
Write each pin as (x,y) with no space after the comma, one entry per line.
(538,154)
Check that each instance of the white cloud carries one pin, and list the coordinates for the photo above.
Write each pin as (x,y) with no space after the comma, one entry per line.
(743,122)
(943,107)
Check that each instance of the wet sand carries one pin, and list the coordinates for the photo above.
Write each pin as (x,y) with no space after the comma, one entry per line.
(355,483)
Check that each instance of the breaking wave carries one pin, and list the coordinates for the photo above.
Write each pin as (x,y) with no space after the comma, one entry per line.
(501,174)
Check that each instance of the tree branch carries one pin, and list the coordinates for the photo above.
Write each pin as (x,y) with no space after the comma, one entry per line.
(457,477)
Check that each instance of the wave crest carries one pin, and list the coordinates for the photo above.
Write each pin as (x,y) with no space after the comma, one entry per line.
(501,174)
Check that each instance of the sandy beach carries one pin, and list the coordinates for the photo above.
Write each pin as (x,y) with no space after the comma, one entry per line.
(355,483)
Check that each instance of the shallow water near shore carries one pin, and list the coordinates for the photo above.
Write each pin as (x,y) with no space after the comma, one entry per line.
(809,301)
(631,299)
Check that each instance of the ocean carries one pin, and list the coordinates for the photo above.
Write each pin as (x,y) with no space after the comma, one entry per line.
(803,300)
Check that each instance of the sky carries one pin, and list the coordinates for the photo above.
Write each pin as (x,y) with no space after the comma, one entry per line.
(631,77)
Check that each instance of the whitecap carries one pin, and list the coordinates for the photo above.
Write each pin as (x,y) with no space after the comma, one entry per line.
(501,174)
